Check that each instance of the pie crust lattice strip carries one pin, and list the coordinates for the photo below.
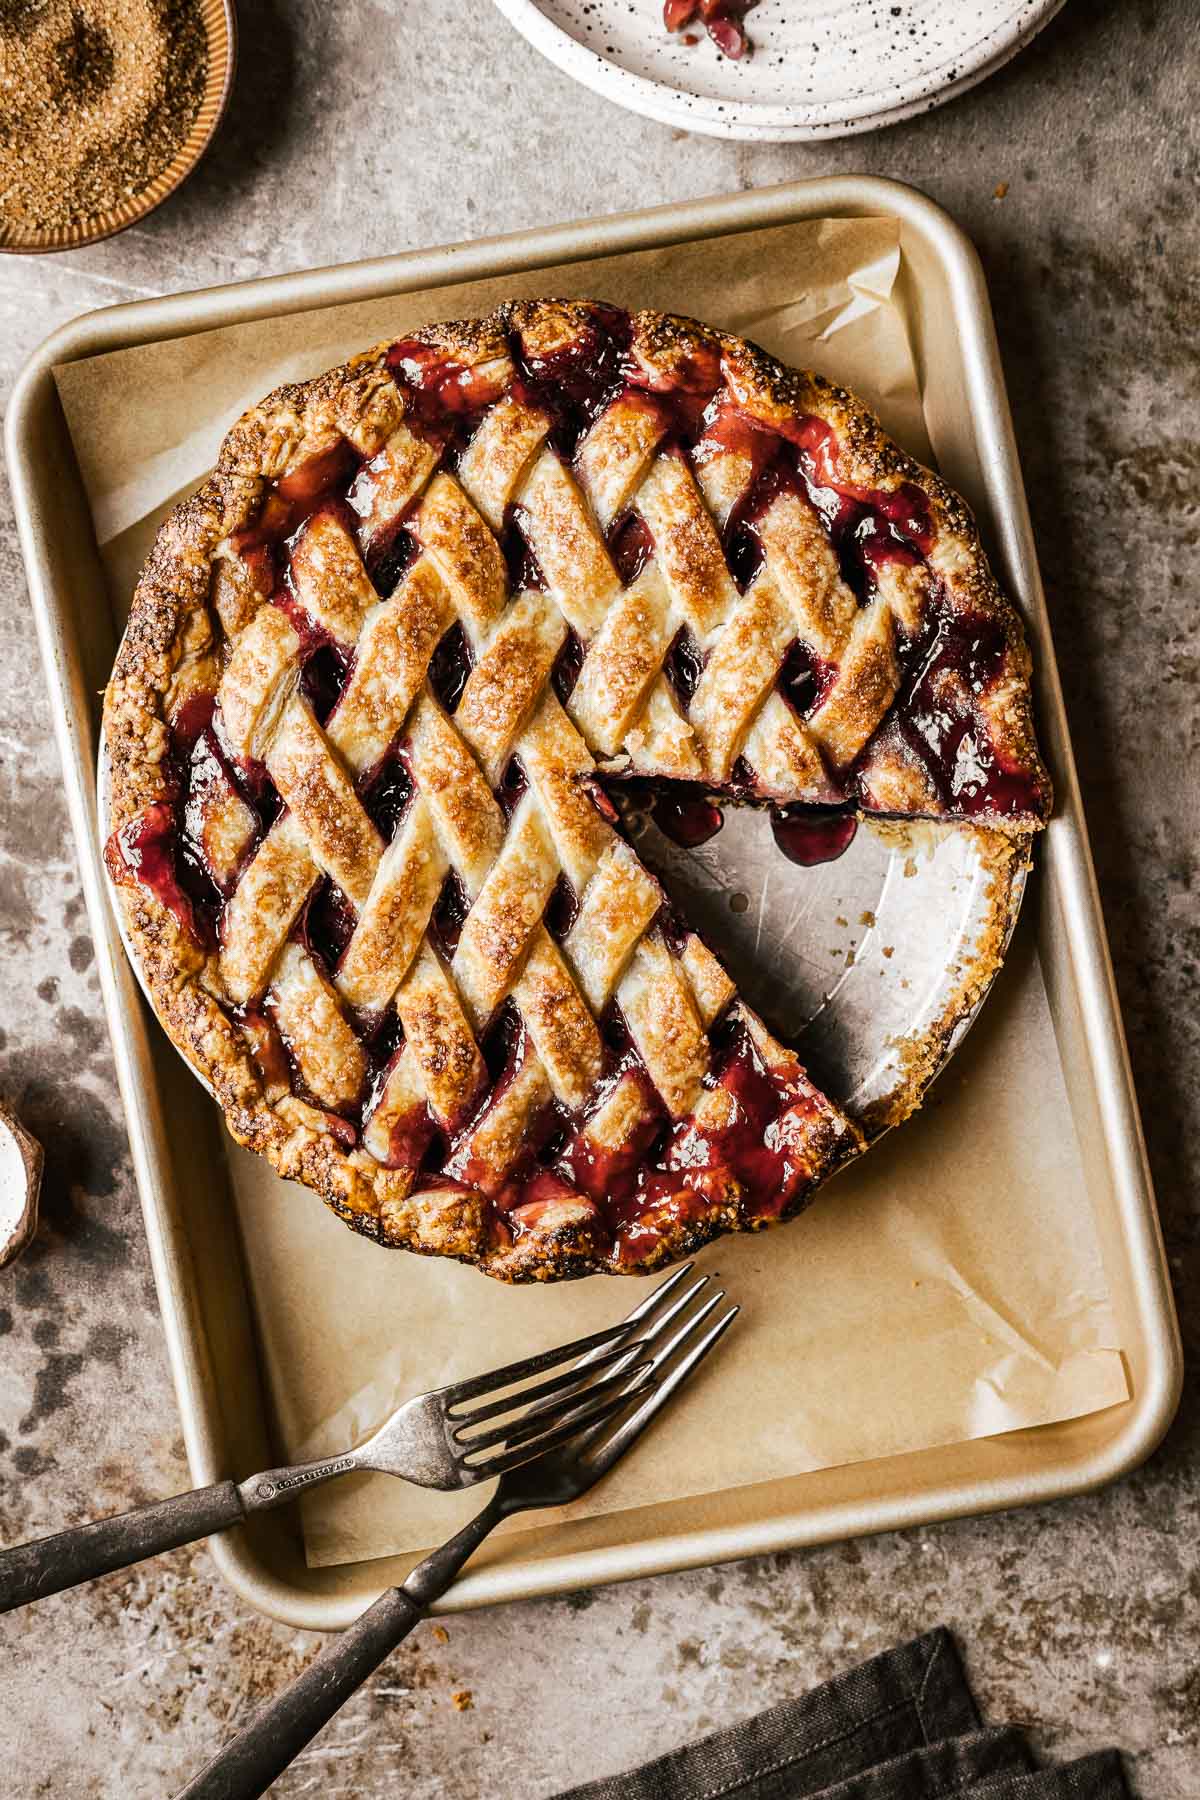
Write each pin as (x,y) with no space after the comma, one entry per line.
(379,673)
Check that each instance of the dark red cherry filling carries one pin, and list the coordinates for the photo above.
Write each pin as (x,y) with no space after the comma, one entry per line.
(763,1143)
(513,784)
(567,665)
(722,19)
(562,908)
(275,1060)
(726,430)
(444,384)
(147,850)
(163,848)
(754,1161)
(450,914)
(323,481)
(319,478)
(524,571)
(574,382)
(631,546)
(957,659)
(450,667)
(804,679)
(322,679)
(387,792)
(266,1045)
(609,1176)
(684,665)
(410,1139)
(689,818)
(193,718)
(867,526)
(325,925)
(810,835)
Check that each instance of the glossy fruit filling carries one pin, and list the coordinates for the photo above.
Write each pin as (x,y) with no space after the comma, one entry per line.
(957,661)
(722,19)
(753,1161)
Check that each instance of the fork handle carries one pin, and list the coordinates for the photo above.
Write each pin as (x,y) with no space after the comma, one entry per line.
(257,1756)
(247,1765)
(31,1571)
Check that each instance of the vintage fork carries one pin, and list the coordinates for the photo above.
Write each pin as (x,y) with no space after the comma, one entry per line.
(433,1440)
(678,1341)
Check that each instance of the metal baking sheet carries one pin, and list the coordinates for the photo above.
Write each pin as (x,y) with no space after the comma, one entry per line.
(207,1318)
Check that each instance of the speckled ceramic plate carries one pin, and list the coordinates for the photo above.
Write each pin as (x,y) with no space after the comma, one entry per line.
(818,68)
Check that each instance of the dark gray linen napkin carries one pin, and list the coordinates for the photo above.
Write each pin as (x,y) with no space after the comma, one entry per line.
(955,1766)
(906,1699)
(1096,1777)
(903,1726)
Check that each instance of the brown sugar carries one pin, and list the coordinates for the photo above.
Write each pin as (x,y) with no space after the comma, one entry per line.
(97,97)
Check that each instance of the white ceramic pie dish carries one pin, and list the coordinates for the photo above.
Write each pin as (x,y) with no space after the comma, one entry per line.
(818,69)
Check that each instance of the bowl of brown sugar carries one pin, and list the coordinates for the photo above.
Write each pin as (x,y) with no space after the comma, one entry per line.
(105,107)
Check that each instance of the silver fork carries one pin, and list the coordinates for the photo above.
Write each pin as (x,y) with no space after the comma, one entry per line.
(677,1341)
(433,1440)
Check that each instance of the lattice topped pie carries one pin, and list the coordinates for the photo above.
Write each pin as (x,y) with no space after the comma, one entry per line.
(382,674)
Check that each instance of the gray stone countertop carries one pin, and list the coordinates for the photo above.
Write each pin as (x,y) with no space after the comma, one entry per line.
(379,125)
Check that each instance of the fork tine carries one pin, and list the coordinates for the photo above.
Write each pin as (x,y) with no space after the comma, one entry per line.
(511,1373)
(655,1298)
(519,1431)
(660,1392)
(681,1304)
(590,1419)
(663,1353)
(573,1377)
(579,1377)
(584,1350)
(623,1355)
(646,1307)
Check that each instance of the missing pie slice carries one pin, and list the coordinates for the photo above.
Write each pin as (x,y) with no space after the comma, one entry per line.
(381,674)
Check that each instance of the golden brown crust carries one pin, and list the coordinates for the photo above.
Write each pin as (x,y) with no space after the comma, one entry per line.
(168,655)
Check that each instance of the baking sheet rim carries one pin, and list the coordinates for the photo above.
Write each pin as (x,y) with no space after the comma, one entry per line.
(1154,1402)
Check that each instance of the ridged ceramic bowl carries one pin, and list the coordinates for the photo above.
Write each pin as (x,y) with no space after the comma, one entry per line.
(220,25)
